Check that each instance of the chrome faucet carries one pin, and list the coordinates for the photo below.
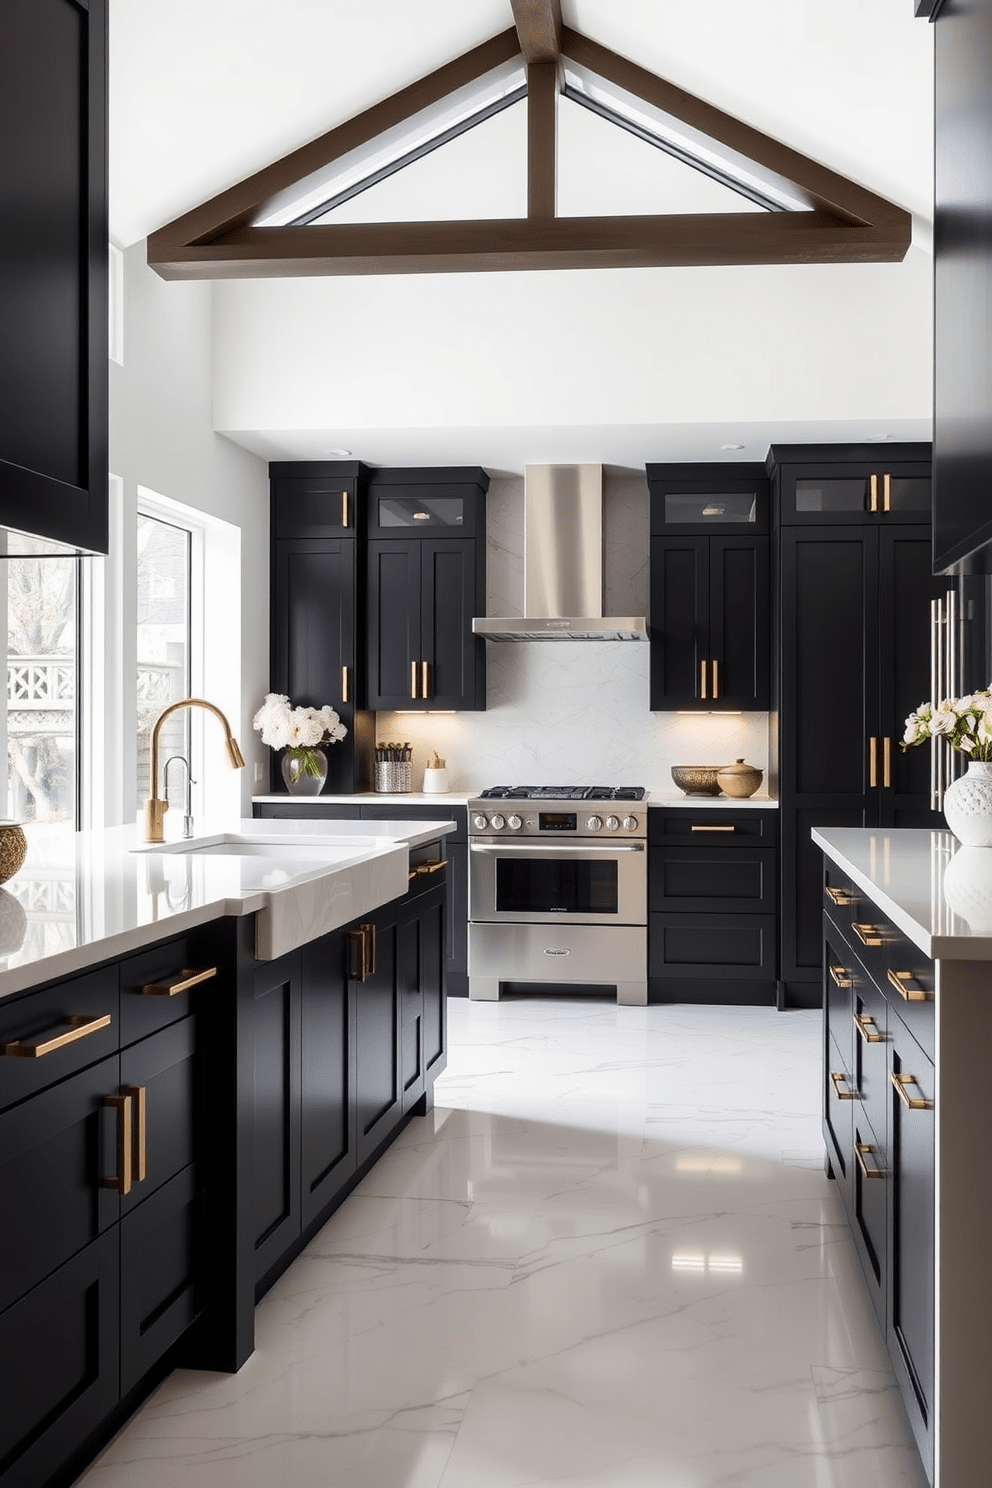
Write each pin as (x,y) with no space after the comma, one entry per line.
(155,808)
(188,818)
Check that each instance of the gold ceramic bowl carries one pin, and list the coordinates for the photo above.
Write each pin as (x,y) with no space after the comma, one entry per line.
(697,780)
(12,849)
(739,779)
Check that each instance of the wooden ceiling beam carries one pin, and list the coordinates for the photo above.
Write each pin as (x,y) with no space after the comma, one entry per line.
(542,139)
(539,27)
(237,206)
(533,243)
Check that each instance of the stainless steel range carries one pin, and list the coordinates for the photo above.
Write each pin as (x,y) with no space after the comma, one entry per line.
(558,889)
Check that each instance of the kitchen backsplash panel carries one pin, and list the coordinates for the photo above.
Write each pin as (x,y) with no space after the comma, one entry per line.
(575,712)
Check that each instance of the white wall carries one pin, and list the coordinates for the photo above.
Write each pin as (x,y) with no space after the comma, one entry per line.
(162,438)
(573,712)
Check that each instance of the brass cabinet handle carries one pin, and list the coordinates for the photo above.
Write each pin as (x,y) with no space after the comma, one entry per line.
(869,935)
(840,897)
(711,827)
(873,493)
(873,761)
(841,976)
(702,681)
(139,1132)
(898,979)
(346,684)
(432,867)
(358,970)
(886,491)
(861,1149)
(77,1026)
(913,1103)
(886,762)
(413,679)
(425,679)
(716,680)
(121,1180)
(345,514)
(867,1028)
(841,1079)
(187,978)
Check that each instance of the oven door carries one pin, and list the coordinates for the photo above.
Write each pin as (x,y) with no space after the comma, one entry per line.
(580,883)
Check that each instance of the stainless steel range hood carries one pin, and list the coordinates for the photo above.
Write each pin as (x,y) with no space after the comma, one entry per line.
(563,563)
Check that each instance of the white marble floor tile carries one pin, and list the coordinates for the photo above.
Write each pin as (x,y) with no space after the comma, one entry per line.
(609,1258)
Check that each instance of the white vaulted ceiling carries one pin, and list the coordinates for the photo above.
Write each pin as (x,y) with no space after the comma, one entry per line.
(204,92)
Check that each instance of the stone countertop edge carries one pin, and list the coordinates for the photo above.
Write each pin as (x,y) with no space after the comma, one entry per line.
(461,798)
(703,803)
(912,861)
(110,880)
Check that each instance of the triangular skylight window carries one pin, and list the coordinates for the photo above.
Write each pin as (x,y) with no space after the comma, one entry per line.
(710,189)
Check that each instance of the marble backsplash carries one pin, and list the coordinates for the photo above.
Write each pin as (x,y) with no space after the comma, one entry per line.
(573,712)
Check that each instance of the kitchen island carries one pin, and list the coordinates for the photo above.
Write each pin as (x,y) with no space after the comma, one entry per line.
(203,1047)
(907,1025)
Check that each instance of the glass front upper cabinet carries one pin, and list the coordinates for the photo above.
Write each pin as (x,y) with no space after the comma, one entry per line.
(853,493)
(728,499)
(444,513)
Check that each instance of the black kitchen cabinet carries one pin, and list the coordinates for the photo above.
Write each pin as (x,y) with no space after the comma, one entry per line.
(328,1147)
(53,270)
(276,1112)
(827,485)
(712,902)
(962,258)
(879,1127)
(317,605)
(426,582)
(854,621)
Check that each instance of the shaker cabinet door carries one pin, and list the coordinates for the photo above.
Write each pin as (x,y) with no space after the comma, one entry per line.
(395,647)
(680,607)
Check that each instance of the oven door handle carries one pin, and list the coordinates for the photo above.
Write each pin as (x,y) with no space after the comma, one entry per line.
(545,850)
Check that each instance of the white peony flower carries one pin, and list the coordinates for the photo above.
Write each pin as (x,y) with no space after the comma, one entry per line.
(943,720)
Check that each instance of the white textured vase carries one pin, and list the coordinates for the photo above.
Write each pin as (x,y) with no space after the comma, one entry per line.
(968,805)
(968,887)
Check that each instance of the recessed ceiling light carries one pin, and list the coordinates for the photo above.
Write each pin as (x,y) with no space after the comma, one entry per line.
(731,446)
(338,454)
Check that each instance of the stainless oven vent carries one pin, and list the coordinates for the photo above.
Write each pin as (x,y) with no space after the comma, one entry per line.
(563,563)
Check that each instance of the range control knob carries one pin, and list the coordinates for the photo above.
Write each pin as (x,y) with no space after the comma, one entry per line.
(594,823)
(479,823)
(630,823)
(514,823)
(612,823)
(498,821)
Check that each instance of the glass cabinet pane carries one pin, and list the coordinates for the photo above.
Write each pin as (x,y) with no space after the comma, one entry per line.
(425,512)
(909,493)
(723,506)
(825,494)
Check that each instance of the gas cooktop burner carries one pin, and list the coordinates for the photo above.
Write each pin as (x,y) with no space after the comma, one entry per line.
(563,793)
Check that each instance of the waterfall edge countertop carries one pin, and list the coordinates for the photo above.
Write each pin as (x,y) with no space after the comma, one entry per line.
(85,897)
(936,891)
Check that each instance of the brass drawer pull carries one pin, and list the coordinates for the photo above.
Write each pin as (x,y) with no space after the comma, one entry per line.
(425,679)
(346,684)
(434,866)
(886,491)
(873,493)
(869,935)
(873,761)
(840,976)
(861,1149)
(868,1028)
(716,680)
(187,978)
(345,514)
(358,970)
(887,762)
(898,979)
(706,827)
(139,1132)
(78,1026)
(121,1181)
(840,897)
(413,680)
(702,680)
(913,1103)
(840,1079)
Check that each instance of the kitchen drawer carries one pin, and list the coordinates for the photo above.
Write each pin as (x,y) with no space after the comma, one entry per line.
(159,1281)
(839,1099)
(869,1206)
(911,996)
(716,826)
(697,879)
(424,870)
(296,809)
(842,901)
(65,1024)
(55,1152)
(159,986)
(712,947)
(163,1073)
(870,1067)
(838,997)
(424,812)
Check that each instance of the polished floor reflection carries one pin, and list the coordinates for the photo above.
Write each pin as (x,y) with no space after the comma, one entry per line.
(609,1258)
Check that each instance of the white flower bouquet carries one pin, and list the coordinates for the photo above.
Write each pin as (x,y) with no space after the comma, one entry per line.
(300,731)
(965,722)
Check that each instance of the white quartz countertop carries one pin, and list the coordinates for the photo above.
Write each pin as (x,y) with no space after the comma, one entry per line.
(698,803)
(933,889)
(372,798)
(85,897)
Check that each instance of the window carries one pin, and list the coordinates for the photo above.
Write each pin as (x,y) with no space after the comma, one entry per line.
(164,627)
(42,721)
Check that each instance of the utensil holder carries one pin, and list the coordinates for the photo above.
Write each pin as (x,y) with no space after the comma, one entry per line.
(393,779)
